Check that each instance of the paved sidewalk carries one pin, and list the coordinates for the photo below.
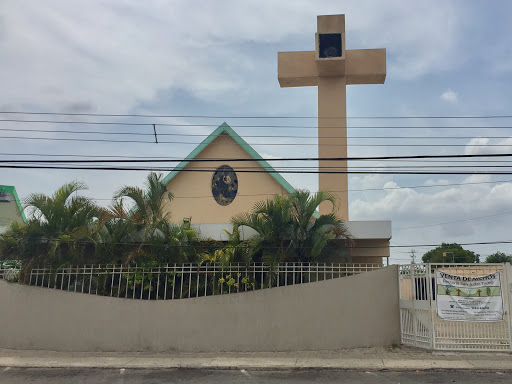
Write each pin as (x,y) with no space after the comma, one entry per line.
(372,359)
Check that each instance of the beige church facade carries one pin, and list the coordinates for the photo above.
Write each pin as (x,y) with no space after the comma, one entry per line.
(192,188)
(196,195)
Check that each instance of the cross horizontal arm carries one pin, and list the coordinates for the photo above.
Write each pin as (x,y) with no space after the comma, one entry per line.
(362,66)
(297,69)
(365,66)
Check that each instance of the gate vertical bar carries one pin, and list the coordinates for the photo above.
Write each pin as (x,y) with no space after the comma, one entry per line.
(508,306)
(413,313)
(431,293)
(400,271)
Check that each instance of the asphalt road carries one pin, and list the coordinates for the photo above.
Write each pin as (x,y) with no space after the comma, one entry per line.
(129,376)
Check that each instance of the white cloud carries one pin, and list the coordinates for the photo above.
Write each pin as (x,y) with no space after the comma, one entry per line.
(110,57)
(450,96)
(455,214)
(269,156)
(436,182)
(425,205)
(483,145)
(415,48)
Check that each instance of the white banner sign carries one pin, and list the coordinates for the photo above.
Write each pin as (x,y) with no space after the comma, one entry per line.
(465,298)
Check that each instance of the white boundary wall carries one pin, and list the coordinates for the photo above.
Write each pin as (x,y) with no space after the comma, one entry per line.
(354,311)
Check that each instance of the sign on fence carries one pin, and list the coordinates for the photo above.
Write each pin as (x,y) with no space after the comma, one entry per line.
(466,298)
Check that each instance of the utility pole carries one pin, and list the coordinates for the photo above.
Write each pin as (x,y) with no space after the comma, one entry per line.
(413,256)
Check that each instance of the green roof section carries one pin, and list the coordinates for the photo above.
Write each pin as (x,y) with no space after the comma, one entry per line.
(10,189)
(225,128)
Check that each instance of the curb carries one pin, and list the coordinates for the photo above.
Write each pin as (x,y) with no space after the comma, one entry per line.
(270,365)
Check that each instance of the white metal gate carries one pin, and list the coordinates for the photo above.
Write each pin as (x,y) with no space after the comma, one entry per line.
(420,325)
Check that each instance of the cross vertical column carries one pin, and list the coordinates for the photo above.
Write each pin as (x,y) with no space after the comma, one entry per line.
(332,110)
(332,142)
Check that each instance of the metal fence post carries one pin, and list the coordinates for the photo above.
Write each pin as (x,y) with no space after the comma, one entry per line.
(431,293)
(399,277)
(508,306)
(413,316)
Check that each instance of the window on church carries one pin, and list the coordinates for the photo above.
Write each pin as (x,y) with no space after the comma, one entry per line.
(224,185)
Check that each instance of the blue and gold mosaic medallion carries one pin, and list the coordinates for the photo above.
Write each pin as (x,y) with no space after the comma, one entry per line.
(224,185)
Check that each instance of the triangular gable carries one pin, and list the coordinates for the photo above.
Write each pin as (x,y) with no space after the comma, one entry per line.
(255,155)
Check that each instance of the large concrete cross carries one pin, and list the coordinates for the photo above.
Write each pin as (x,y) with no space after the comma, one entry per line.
(331,68)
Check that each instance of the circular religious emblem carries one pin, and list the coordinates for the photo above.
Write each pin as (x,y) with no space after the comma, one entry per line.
(224,185)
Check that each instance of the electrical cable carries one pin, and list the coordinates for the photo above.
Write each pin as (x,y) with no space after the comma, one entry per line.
(251,117)
(316,127)
(163,169)
(347,190)
(195,160)
(250,145)
(454,222)
(169,159)
(277,168)
(269,247)
(251,136)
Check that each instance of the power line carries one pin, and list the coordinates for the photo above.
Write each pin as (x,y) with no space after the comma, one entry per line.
(140,159)
(267,247)
(439,245)
(372,167)
(118,168)
(455,222)
(250,145)
(350,190)
(241,167)
(88,156)
(250,117)
(251,136)
(150,124)
(289,169)
(421,159)
(406,157)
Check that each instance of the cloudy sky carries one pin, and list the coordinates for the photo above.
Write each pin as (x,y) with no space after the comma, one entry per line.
(219,58)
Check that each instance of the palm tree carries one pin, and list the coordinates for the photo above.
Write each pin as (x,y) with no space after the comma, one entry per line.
(59,228)
(148,210)
(157,239)
(286,227)
(235,250)
(173,243)
(271,219)
(311,236)
(115,236)
(22,241)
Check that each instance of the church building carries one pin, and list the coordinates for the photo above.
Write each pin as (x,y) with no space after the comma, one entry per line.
(210,199)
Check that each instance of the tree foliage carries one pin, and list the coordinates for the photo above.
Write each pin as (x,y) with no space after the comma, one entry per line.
(498,257)
(286,228)
(452,252)
(151,235)
(59,229)
(67,228)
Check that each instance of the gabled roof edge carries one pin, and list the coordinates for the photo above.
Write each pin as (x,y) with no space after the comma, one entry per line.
(250,150)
